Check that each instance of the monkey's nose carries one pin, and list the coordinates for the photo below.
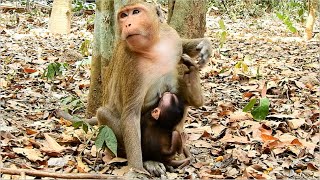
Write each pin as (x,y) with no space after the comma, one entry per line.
(128,25)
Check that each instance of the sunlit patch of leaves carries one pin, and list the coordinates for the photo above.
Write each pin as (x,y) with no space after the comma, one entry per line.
(72,104)
(55,69)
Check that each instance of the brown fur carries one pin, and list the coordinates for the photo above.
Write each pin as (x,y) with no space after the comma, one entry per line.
(143,66)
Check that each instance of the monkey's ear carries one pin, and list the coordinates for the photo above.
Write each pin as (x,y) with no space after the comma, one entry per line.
(160,13)
(156,113)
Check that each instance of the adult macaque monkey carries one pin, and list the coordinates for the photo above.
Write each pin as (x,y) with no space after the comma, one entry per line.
(145,65)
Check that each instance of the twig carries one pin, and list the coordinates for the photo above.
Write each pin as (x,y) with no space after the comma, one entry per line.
(60,113)
(58,175)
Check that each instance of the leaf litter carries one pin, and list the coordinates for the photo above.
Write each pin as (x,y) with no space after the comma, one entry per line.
(225,142)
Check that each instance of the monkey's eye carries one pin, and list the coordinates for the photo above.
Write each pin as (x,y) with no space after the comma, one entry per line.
(123,15)
(136,11)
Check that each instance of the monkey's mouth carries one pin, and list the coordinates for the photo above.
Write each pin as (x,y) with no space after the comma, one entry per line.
(132,35)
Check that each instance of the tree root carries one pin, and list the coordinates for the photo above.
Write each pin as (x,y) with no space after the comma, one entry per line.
(37,173)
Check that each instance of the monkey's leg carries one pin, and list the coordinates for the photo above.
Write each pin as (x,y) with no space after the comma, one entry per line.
(183,162)
(106,117)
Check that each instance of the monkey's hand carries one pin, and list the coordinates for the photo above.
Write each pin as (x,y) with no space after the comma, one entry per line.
(155,168)
(193,92)
(187,60)
(205,51)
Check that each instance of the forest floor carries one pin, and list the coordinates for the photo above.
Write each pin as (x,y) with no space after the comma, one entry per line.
(224,141)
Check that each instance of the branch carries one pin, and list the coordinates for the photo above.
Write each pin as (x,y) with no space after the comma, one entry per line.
(57,175)
(62,114)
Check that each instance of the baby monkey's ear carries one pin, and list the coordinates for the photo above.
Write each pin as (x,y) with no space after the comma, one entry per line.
(156,113)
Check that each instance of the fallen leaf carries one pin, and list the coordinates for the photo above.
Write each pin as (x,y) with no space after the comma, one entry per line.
(82,168)
(266,138)
(31,154)
(295,123)
(202,144)
(52,144)
(29,70)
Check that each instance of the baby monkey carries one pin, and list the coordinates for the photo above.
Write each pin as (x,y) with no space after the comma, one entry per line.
(160,141)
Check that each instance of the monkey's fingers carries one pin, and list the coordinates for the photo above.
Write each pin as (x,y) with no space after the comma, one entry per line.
(188,61)
(205,51)
(155,168)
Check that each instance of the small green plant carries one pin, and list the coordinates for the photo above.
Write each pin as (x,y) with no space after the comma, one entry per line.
(79,5)
(222,34)
(84,126)
(72,103)
(261,111)
(242,65)
(84,48)
(106,139)
(54,69)
(286,20)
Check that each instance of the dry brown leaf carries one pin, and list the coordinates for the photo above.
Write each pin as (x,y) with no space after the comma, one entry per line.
(30,131)
(52,144)
(295,123)
(31,154)
(193,137)
(29,70)
(202,144)
(82,168)
(296,142)
(121,171)
(239,116)
(241,156)
(3,83)
(266,138)
(229,138)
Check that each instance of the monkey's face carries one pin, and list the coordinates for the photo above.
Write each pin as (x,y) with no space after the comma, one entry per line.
(139,26)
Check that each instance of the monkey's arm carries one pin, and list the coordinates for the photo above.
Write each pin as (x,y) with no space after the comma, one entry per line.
(199,46)
(175,144)
(189,82)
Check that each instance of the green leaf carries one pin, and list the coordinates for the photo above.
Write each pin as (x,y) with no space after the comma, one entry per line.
(77,124)
(221,24)
(51,71)
(108,138)
(250,105)
(292,29)
(85,127)
(261,112)
(280,16)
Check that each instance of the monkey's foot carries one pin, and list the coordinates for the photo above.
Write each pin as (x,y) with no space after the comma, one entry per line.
(155,168)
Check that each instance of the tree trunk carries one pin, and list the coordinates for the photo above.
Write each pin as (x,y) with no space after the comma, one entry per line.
(313,6)
(188,17)
(103,43)
(60,19)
